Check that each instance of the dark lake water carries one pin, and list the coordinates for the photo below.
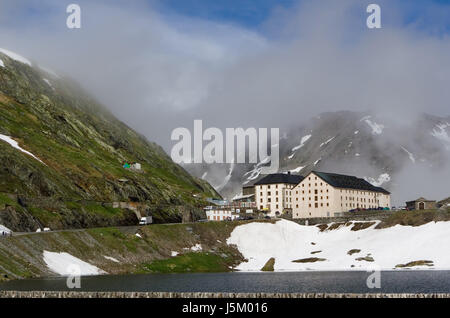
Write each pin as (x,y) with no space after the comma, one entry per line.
(413,281)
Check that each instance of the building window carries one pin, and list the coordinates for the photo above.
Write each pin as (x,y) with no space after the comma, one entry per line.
(316,205)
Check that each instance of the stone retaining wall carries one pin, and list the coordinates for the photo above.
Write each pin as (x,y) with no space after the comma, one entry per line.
(346,217)
(68,294)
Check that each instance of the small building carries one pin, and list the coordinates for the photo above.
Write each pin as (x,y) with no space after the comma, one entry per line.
(136,166)
(421,204)
(218,202)
(220,214)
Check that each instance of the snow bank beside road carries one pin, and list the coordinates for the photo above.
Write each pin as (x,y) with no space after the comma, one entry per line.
(4,230)
(64,263)
(287,241)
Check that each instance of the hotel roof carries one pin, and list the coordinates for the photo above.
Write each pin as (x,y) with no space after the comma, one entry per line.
(348,182)
(280,178)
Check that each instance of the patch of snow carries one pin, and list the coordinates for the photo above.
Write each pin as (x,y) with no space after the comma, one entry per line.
(356,132)
(326,142)
(204,175)
(196,248)
(15,144)
(138,235)
(48,83)
(1,63)
(357,155)
(227,178)
(317,161)
(15,56)
(291,156)
(64,264)
(382,178)
(111,259)
(296,170)
(254,174)
(287,241)
(440,132)
(411,157)
(377,129)
(302,143)
(4,230)
(48,71)
(173,253)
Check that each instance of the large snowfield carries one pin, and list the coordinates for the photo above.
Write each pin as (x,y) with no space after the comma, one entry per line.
(65,264)
(287,241)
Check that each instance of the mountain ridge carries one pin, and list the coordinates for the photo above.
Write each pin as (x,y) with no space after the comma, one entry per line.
(82,148)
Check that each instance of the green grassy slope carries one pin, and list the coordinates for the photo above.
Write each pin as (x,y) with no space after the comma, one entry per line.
(82,145)
(22,256)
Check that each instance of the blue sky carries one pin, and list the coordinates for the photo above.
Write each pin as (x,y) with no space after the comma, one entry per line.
(248,13)
(427,14)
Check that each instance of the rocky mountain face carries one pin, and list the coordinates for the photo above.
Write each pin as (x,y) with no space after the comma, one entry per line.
(382,149)
(63,154)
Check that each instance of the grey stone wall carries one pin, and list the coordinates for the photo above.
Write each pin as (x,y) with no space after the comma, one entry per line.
(67,294)
(347,217)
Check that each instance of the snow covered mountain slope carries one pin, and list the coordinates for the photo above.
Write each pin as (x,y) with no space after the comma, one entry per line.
(382,149)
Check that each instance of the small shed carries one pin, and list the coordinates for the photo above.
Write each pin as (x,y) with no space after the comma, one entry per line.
(136,166)
(421,204)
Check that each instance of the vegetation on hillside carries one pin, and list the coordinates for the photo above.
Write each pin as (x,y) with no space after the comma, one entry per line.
(150,252)
(83,147)
(415,218)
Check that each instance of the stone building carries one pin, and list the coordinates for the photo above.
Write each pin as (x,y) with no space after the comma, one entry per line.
(421,204)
